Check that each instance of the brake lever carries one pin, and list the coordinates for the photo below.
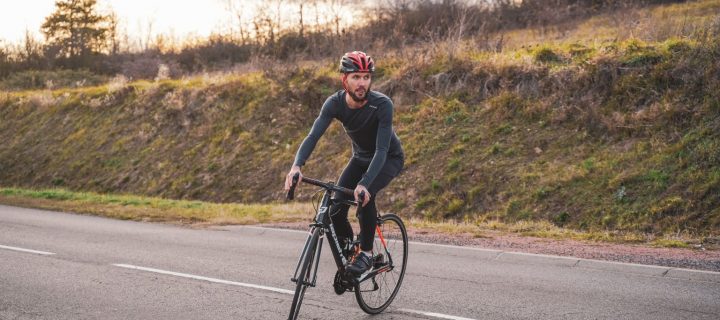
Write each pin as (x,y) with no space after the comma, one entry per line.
(291,192)
(361,198)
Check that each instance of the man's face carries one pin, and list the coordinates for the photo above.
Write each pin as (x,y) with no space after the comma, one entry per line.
(358,84)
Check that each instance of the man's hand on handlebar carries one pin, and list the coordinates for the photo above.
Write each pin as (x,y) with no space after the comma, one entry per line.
(365,193)
(362,195)
(289,177)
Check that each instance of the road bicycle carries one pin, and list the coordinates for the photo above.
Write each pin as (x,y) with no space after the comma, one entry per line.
(375,289)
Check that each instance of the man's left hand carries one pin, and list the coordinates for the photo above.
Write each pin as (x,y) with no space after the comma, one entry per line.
(361,188)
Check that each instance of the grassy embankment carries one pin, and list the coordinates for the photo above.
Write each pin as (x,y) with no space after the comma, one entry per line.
(591,139)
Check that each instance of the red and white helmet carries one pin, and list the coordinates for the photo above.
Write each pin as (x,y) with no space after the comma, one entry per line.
(356,61)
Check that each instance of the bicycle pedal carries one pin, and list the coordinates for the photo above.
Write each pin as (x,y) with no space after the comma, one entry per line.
(339,288)
(341,285)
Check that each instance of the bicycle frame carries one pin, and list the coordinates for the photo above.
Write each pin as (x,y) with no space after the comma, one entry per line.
(324,223)
(305,274)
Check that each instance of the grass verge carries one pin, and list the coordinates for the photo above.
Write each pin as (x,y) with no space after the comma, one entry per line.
(139,208)
(154,209)
(545,229)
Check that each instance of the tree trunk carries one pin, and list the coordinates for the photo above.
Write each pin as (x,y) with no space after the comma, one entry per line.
(302,27)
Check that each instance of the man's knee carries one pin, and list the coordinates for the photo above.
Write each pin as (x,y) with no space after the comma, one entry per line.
(382,181)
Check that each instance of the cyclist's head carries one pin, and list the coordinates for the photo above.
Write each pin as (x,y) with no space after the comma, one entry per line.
(358,65)
(356,61)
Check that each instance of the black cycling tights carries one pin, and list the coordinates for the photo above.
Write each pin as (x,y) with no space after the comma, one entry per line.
(367,215)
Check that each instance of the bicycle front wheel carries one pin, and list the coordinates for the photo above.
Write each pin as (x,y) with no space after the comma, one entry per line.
(390,250)
(304,276)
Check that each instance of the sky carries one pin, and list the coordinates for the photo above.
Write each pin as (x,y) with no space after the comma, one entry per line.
(179,17)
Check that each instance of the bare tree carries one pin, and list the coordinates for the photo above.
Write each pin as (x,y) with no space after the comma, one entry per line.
(317,15)
(337,7)
(163,43)
(31,53)
(6,61)
(301,8)
(146,34)
(268,21)
(302,25)
(238,8)
(263,30)
(458,30)
(396,7)
(278,14)
(113,34)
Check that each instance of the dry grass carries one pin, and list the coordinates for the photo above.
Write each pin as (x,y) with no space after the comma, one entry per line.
(199,213)
(657,23)
(130,207)
(542,229)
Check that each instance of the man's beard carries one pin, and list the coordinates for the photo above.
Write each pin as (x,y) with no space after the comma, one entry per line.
(358,99)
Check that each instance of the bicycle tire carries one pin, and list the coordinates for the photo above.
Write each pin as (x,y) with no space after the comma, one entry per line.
(373,295)
(304,275)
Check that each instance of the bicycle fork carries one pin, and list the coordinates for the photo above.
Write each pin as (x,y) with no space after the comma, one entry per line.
(316,248)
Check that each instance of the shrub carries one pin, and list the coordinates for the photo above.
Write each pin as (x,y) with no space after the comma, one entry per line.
(28,80)
(455,206)
(561,219)
(546,55)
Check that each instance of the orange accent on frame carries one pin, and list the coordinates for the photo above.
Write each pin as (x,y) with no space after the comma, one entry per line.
(381,237)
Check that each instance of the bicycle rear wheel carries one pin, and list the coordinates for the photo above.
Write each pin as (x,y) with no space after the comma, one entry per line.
(376,293)
(304,276)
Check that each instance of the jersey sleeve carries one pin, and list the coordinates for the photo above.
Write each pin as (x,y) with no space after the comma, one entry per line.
(382,145)
(318,129)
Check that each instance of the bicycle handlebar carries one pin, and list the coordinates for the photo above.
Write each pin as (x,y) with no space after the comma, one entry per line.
(315,182)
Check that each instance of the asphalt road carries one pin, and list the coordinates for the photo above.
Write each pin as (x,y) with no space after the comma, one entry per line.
(84,267)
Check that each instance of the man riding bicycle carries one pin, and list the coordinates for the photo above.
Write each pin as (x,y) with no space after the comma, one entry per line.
(377,156)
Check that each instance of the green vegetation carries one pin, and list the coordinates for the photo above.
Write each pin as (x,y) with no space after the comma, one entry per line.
(154,209)
(27,80)
(605,140)
(616,163)
(131,207)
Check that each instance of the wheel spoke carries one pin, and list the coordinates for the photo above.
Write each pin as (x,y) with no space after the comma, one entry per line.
(388,281)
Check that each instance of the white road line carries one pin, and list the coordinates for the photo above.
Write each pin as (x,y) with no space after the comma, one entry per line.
(26,250)
(434,315)
(255,286)
(191,276)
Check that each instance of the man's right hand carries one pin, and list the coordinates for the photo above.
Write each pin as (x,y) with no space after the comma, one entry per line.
(289,177)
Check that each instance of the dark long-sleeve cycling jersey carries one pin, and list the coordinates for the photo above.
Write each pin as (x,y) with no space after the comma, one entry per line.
(369,128)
